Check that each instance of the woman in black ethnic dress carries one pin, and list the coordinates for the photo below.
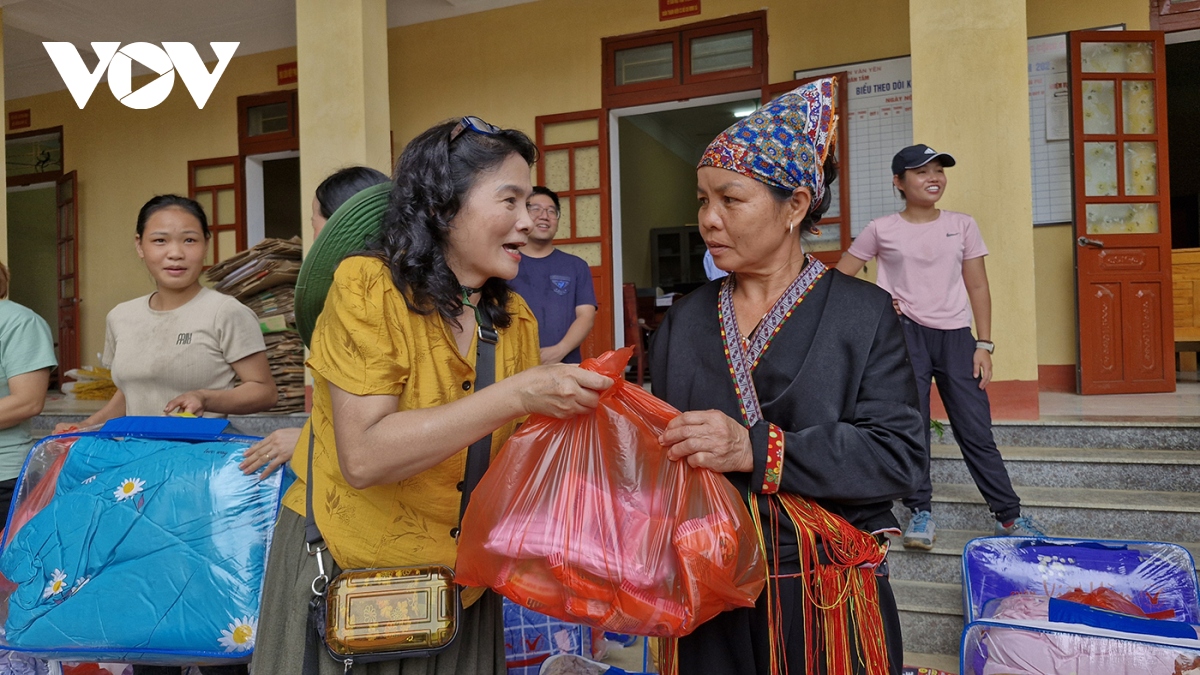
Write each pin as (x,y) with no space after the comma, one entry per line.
(795,383)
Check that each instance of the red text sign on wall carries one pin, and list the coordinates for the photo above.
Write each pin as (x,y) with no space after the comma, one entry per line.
(675,9)
(286,73)
(20,119)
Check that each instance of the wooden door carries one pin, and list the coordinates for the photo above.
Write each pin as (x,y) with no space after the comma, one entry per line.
(66,201)
(217,184)
(573,161)
(1122,212)
(835,224)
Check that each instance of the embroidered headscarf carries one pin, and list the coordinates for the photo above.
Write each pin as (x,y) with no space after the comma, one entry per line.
(785,142)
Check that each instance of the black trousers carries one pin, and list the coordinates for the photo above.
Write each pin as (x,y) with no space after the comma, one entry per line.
(948,357)
(737,642)
(6,496)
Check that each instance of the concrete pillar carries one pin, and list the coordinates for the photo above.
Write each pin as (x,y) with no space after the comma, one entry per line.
(971,99)
(341,56)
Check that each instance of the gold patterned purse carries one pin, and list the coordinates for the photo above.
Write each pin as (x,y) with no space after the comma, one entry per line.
(386,614)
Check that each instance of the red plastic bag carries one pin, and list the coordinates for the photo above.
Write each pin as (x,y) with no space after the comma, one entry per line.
(586,520)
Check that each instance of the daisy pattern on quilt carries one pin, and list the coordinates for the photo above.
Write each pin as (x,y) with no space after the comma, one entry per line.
(239,637)
(58,582)
(129,488)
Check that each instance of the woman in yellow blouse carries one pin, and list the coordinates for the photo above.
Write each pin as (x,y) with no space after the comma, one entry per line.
(394,406)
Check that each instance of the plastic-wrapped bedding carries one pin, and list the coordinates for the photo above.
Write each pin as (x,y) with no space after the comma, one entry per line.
(1159,578)
(142,542)
(1031,647)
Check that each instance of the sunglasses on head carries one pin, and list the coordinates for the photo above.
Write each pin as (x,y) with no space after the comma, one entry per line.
(474,124)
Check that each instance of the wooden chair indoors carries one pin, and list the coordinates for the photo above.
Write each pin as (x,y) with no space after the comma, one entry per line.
(635,331)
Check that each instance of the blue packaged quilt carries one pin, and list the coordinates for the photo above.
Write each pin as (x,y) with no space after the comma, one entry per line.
(150,550)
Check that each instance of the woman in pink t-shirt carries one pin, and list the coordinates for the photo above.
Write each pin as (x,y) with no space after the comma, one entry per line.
(931,261)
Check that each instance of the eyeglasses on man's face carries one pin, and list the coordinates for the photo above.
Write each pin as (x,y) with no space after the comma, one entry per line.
(536,210)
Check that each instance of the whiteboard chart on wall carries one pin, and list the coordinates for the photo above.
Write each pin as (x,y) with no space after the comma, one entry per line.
(880,123)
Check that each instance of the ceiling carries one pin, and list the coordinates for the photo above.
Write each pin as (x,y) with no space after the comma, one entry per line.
(259,25)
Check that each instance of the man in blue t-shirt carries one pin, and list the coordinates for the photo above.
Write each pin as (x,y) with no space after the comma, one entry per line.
(557,285)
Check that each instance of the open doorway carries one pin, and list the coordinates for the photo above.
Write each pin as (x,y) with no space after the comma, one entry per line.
(32,250)
(1183,116)
(656,242)
(273,205)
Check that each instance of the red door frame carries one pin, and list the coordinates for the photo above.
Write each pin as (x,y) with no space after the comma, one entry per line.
(66,208)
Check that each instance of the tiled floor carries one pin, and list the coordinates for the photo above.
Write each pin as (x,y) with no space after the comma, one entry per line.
(1179,407)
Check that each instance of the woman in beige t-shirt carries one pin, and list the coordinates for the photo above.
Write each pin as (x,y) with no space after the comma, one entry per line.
(180,348)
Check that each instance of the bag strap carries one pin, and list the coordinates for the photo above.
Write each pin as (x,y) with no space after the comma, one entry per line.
(478,454)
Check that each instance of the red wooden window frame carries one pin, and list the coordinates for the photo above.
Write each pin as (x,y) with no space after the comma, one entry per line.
(239,224)
(45,176)
(66,216)
(601,338)
(683,84)
(279,141)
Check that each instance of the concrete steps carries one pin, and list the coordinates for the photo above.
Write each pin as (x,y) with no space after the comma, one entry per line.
(1106,493)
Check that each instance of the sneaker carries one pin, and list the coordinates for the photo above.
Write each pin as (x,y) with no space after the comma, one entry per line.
(1024,526)
(921,532)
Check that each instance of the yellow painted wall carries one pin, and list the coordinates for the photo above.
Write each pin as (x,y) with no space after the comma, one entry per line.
(508,65)
(1054,267)
(1054,260)
(31,252)
(1060,16)
(126,156)
(657,190)
(512,64)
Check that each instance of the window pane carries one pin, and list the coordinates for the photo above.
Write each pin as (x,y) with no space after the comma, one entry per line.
(226,208)
(1100,169)
(589,252)
(1098,107)
(205,199)
(66,220)
(1141,168)
(587,168)
(587,216)
(226,244)
(267,119)
(646,64)
(1122,218)
(722,52)
(1137,106)
(835,200)
(1117,57)
(207,176)
(558,170)
(830,238)
(564,219)
(577,131)
(35,154)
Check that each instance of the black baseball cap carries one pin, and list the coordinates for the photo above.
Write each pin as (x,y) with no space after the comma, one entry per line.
(919,155)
